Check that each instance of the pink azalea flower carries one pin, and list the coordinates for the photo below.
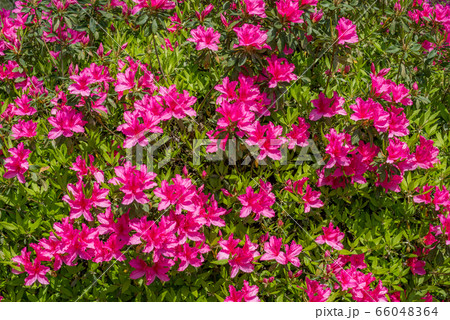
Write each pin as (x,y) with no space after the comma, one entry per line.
(297,186)
(202,15)
(205,38)
(248,293)
(134,182)
(332,236)
(289,11)
(153,5)
(177,105)
(23,107)
(316,292)
(242,259)
(311,199)
(36,271)
(430,239)
(268,139)
(235,295)
(189,256)
(390,181)
(125,81)
(292,252)
(398,123)
(416,266)
(368,153)
(179,194)
(397,150)
(82,169)
(235,116)
(24,129)
(316,16)
(16,165)
(80,204)
(400,94)
(338,148)
(309,3)
(229,247)
(327,107)
(255,8)
(428,297)
(364,110)
(425,197)
(66,122)
(213,213)
(273,251)
(445,221)
(426,154)
(176,23)
(441,198)
(239,258)
(157,270)
(280,70)
(251,37)
(82,82)
(136,130)
(258,203)
(299,134)
(346,31)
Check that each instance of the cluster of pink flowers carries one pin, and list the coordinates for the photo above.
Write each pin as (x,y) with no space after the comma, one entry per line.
(272,251)
(17,164)
(363,287)
(134,182)
(435,16)
(309,197)
(205,38)
(439,199)
(161,104)
(176,237)
(248,293)
(350,162)
(259,203)
(153,5)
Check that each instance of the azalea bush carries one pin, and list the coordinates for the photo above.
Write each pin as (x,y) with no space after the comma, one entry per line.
(242,150)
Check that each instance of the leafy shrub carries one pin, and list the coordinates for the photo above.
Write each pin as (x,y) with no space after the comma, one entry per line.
(290,150)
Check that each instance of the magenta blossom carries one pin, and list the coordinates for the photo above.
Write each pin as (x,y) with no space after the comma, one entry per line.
(289,11)
(316,291)
(269,140)
(299,134)
(17,164)
(205,38)
(280,70)
(273,251)
(24,129)
(247,294)
(134,182)
(251,37)
(426,154)
(346,31)
(327,107)
(255,8)
(332,237)
(259,203)
(153,5)
(66,122)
